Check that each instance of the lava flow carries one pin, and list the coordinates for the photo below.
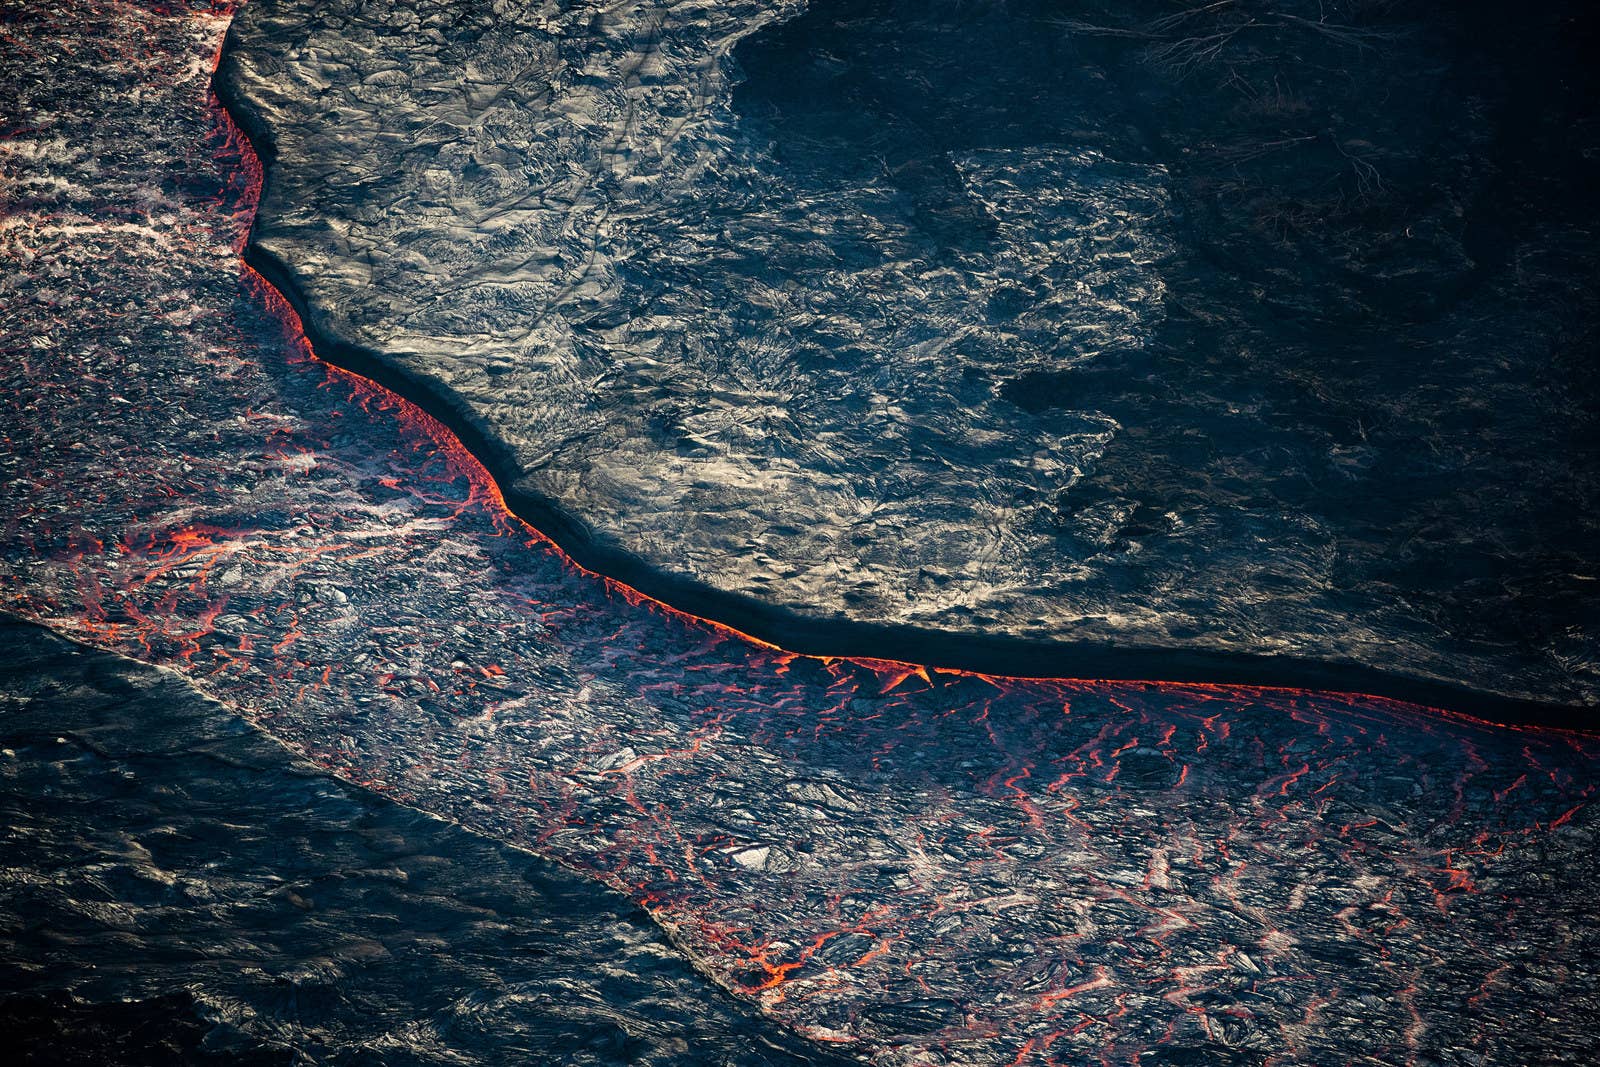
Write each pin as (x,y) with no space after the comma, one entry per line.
(931,866)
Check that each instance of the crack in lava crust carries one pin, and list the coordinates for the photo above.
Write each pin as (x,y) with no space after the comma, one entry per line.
(929,866)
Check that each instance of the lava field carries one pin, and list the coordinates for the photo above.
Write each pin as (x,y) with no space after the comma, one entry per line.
(893,863)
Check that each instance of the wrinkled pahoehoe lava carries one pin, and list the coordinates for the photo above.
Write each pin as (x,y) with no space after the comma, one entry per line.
(1265,327)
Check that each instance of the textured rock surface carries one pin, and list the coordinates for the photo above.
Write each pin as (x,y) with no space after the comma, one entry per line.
(930,868)
(1265,328)
(159,851)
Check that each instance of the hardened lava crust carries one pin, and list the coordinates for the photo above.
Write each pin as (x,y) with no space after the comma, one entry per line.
(908,865)
(277,916)
(1247,343)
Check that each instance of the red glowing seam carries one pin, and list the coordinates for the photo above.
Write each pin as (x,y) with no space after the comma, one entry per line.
(486,489)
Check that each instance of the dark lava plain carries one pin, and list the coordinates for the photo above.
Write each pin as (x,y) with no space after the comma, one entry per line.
(1035,336)
(916,866)
(176,888)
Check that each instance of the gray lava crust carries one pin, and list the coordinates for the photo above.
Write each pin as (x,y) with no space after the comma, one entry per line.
(859,366)
(193,894)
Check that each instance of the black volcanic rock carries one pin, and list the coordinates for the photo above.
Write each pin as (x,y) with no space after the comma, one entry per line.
(192,894)
(1262,328)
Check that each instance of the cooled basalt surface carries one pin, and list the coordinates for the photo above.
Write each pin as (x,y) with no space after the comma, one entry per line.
(1253,328)
(919,867)
(175,888)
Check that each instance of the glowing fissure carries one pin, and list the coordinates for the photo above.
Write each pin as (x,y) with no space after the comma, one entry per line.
(928,865)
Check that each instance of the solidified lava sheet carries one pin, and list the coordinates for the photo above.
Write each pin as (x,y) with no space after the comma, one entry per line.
(249,889)
(768,857)
(1261,327)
